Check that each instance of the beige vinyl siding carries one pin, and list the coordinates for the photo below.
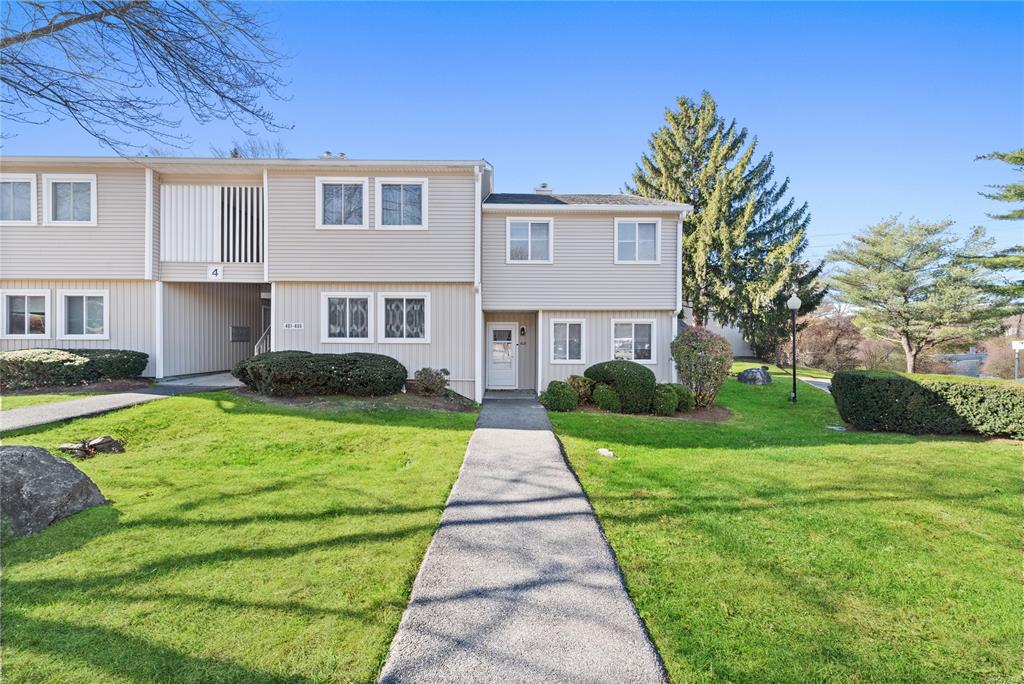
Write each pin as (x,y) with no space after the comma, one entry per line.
(527,349)
(130,317)
(451,325)
(192,272)
(115,247)
(598,337)
(443,252)
(583,274)
(197,318)
(156,225)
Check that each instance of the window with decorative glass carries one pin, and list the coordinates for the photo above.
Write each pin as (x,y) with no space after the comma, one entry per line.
(348,318)
(405,317)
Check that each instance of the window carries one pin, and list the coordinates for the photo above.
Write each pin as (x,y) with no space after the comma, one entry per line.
(402,203)
(83,314)
(567,341)
(633,340)
(637,242)
(345,317)
(340,203)
(70,199)
(26,314)
(18,198)
(528,240)
(404,317)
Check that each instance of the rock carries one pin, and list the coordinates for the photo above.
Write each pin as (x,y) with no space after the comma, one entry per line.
(105,445)
(38,489)
(755,376)
(75,449)
(607,453)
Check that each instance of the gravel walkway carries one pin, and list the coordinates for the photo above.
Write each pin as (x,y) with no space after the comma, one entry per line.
(519,584)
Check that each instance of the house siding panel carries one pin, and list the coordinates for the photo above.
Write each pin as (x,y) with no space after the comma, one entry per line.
(197,318)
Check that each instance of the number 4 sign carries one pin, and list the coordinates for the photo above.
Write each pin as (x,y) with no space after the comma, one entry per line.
(215,272)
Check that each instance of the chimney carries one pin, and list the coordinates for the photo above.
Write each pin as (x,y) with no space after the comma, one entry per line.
(543,189)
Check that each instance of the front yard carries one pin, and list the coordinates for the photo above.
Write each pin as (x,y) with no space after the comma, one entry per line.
(770,548)
(246,542)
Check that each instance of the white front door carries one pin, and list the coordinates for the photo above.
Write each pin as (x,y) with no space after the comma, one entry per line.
(502,357)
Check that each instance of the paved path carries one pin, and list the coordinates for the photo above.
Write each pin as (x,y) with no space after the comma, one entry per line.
(41,414)
(823,385)
(519,584)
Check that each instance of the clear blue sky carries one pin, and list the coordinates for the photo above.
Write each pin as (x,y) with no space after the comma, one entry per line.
(871,109)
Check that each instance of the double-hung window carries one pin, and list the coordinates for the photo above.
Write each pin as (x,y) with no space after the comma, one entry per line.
(567,341)
(18,198)
(340,203)
(401,203)
(633,340)
(70,199)
(26,313)
(83,314)
(528,240)
(346,317)
(404,317)
(636,241)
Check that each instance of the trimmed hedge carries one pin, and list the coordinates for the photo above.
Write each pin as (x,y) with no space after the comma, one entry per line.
(296,373)
(685,396)
(26,368)
(928,404)
(703,359)
(632,382)
(665,400)
(607,398)
(116,364)
(559,396)
(584,387)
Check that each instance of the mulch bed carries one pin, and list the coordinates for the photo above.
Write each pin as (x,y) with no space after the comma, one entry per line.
(711,414)
(100,386)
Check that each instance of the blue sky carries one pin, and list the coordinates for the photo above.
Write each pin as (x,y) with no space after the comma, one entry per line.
(870,109)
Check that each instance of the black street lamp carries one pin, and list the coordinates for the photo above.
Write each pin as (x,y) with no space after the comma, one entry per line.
(794,305)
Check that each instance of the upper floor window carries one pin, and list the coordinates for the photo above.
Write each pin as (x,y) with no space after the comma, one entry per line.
(18,198)
(528,240)
(633,340)
(26,313)
(637,242)
(83,314)
(567,341)
(405,317)
(70,198)
(402,203)
(345,317)
(341,203)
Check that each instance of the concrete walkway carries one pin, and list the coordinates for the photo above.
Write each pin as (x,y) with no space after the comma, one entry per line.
(41,414)
(519,584)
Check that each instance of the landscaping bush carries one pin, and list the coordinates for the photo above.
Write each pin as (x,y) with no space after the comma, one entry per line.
(559,396)
(115,364)
(37,367)
(606,397)
(922,404)
(371,375)
(633,383)
(703,359)
(584,387)
(665,400)
(684,395)
(431,380)
(294,373)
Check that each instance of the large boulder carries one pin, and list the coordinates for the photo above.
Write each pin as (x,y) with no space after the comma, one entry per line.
(38,489)
(755,376)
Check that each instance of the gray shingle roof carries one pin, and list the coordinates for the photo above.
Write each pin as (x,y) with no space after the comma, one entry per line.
(560,199)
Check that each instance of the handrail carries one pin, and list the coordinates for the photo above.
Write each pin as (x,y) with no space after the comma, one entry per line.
(263,344)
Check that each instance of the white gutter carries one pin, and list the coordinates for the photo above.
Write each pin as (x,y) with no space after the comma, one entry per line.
(148,268)
(266,228)
(679,289)
(273,316)
(478,298)
(158,329)
(540,348)
(579,208)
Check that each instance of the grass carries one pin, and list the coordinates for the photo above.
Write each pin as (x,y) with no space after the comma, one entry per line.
(769,548)
(246,542)
(16,401)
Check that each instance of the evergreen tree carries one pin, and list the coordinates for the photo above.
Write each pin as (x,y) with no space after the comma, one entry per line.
(1010,192)
(767,328)
(1010,260)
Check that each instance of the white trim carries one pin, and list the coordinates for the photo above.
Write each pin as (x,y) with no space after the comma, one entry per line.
(679,291)
(29,178)
(657,241)
(273,316)
(47,311)
(62,331)
(379,204)
(514,327)
(148,267)
(478,299)
(321,181)
(653,361)
(583,341)
(540,349)
(50,178)
(324,338)
(529,221)
(266,226)
(382,297)
(586,208)
(158,329)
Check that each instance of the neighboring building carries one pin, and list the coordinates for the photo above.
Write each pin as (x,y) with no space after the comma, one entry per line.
(203,262)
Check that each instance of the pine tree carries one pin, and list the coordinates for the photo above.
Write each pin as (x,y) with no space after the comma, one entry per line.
(1010,260)
(765,329)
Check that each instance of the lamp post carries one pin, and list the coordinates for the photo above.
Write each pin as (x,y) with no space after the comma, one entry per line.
(794,305)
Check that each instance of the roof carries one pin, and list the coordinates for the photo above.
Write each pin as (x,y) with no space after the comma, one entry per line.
(227,165)
(579,202)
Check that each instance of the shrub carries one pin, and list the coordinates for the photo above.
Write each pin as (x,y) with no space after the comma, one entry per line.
(606,397)
(922,404)
(684,395)
(665,400)
(703,359)
(432,380)
(584,387)
(371,375)
(38,367)
(559,396)
(293,373)
(116,364)
(632,382)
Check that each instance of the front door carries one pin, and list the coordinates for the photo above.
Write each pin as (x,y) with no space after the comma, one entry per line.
(502,359)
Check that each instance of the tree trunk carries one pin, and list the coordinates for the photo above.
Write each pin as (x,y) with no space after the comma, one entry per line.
(910,353)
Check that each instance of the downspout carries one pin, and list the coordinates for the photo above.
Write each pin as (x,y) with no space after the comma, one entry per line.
(679,289)
(273,316)
(148,268)
(266,234)
(540,348)
(478,298)
(158,329)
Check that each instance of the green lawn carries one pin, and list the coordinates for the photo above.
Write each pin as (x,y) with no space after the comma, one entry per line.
(16,401)
(246,542)
(770,549)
